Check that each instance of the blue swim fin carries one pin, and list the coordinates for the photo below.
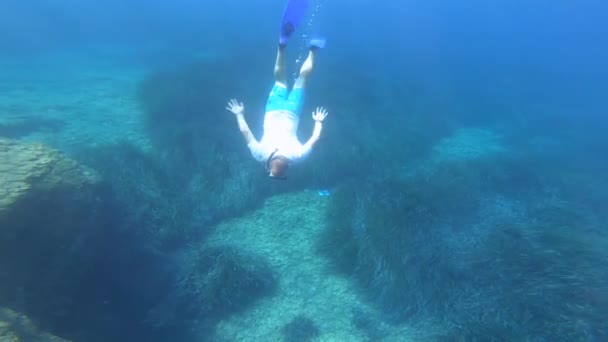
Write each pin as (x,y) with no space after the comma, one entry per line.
(294,12)
(316,43)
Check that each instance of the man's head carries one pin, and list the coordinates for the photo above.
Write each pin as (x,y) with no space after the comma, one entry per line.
(277,166)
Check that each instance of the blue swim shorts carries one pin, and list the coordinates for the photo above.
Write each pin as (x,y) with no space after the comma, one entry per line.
(282,99)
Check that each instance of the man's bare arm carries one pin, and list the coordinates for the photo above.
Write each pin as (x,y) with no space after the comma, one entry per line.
(318,115)
(238,110)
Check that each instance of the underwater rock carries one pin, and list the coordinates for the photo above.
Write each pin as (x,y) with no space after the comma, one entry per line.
(15,327)
(30,171)
(46,202)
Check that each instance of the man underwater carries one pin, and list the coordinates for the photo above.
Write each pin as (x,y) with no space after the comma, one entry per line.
(279,146)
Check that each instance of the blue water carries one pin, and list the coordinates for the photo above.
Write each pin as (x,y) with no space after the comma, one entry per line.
(462,170)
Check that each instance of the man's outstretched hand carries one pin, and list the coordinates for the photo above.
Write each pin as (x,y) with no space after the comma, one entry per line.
(235,107)
(319,114)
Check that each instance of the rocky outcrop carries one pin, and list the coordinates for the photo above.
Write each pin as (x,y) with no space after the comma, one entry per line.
(47,202)
(15,327)
(29,171)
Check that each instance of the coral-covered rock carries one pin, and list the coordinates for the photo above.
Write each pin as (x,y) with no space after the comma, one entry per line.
(15,327)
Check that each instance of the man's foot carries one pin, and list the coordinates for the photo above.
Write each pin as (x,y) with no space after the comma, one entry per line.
(286,31)
(316,43)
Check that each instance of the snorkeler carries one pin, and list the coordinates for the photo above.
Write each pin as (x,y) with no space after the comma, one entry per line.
(279,146)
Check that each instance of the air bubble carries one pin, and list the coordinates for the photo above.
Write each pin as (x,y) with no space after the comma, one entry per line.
(307,32)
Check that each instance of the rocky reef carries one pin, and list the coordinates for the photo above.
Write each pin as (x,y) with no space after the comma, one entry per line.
(15,327)
(47,204)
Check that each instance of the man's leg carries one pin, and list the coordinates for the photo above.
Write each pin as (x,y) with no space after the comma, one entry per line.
(306,69)
(278,95)
(279,67)
(295,100)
